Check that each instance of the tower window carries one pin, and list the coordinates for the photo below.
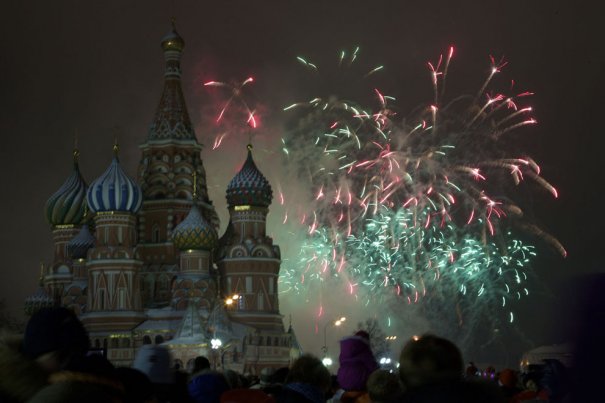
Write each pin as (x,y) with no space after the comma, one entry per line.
(155,233)
(249,284)
(261,302)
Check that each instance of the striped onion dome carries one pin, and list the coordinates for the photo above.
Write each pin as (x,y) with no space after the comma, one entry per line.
(114,191)
(79,245)
(66,206)
(194,232)
(249,186)
(38,300)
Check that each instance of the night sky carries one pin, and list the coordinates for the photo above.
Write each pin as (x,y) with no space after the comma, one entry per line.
(97,68)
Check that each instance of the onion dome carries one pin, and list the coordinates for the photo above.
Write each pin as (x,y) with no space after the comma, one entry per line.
(194,232)
(38,300)
(79,245)
(114,191)
(249,186)
(172,40)
(66,206)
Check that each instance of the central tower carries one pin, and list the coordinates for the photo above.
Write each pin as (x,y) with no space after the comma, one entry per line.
(169,158)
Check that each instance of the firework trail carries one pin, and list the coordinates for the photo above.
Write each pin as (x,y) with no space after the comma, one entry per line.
(413,209)
(236,99)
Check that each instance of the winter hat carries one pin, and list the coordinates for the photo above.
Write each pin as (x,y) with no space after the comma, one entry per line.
(363,334)
(55,329)
(508,378)
(207,387)
(154,361)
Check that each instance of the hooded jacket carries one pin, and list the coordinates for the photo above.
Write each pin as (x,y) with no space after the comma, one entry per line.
(356,363)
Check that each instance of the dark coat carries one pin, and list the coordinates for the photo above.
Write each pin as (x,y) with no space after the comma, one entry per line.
(20,377)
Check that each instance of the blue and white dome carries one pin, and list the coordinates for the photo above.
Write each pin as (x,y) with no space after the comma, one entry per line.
(114,191)
(66,206)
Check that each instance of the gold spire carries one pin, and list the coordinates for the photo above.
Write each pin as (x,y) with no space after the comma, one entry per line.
(194,184)
(249,147)
(41,278)
(76,152)
(116,146)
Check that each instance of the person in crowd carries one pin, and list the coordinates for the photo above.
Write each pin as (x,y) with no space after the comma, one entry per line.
(276,381)
(207,387)
(200,364)
(507,380)
(471,371)
(307,382)
(20,376)
(58,342)
(154,361)
(556,381)
(137,386)
(265,378)
(357,362)
(431,369)
(384,387)
(243,395)
(533,391)
(234,380)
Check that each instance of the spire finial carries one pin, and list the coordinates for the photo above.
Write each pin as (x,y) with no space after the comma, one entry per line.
(116,146)
(41,278)
(194,184)
(76,152)
(249,147)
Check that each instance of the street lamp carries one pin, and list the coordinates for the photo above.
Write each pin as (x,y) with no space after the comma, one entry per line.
(327,361)
(337,322)
(216,344)
(232,299)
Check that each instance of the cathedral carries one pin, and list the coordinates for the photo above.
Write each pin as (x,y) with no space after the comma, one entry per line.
(140,261)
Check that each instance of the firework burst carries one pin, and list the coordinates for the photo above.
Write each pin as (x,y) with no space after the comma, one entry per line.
(236,100)
(414,209)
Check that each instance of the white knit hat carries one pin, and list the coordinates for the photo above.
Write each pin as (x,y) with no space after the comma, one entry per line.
(154,361)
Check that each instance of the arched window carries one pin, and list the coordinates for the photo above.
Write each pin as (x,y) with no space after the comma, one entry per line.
(159,339)
(115,342)
(268,341)
(125,342)
(146,340)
